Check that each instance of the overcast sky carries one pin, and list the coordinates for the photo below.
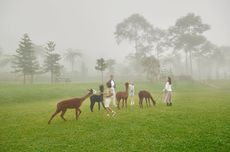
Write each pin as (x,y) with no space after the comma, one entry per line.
(90,24)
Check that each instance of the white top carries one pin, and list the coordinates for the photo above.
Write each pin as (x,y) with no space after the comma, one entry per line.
(131,88)
(168,87)
(112,83)
(108,92)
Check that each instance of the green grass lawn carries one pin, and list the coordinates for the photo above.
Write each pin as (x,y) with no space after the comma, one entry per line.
(199,120)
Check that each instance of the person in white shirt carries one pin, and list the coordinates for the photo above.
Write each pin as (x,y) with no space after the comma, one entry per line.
(107,98)
(131,92)
(168,92)
(113,87)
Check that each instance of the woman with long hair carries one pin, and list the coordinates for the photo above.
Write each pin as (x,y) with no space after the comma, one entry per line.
(168,92)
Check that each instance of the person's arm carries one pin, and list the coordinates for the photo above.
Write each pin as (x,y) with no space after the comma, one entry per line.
(109,94)
(166,87)
(114,86)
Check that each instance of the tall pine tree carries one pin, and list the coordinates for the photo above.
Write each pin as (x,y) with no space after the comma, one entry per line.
(101,66)
(25,61)
(52,62)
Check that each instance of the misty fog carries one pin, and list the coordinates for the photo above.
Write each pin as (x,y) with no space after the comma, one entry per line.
(139,40)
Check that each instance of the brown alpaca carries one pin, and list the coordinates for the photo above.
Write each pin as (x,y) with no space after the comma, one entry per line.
(73,103)
(147,96)
(123,96)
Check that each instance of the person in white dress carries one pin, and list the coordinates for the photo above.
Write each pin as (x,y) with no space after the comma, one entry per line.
(107,99)
(131,93)
(113,87)
(168,92)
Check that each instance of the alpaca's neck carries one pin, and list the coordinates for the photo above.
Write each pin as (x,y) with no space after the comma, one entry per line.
(85,97)
(127,90)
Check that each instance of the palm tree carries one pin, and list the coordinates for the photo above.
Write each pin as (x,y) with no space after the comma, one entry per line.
(71,55)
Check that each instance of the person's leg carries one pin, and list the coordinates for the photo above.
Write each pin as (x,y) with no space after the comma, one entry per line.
(107,106)
(132,101)
(170,98)
(114,98)
(107,111)
(113,112)
(166,98)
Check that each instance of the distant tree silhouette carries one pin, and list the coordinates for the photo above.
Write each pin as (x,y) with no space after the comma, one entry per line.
(51,63)
(187,35)
(25,61)
(101,66)
(71,56)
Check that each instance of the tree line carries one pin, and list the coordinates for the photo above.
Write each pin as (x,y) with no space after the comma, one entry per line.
(183,43)
(26,62)
(180,50)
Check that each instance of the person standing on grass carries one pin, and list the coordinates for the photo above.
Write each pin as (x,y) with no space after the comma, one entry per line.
(107,99)
(113,87)
(131,93)
(168,92)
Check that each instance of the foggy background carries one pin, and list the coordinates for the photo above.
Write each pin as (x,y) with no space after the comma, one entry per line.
(89,27)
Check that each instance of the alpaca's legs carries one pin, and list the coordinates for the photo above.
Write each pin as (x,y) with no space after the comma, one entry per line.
(125,103)
(146,102)
(122,103)
(99,106)
(62,114)
(78,112)
(118,103)
(103,104)
(149,102)
(140,102)
(91,105)
(154,103)
(54,114)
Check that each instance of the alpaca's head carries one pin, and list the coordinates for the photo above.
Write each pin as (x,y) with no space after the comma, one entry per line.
(92,91)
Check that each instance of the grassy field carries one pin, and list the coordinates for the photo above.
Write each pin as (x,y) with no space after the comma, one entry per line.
(199,120)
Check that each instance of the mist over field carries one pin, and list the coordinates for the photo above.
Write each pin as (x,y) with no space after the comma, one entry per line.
(138,40)
(167,62)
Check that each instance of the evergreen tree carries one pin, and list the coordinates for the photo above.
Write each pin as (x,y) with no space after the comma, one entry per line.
(25,61)
(52,62)
(101,66)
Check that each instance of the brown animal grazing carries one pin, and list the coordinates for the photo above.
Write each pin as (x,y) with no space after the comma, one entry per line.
(73,103)
(147,96)
(123,96)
